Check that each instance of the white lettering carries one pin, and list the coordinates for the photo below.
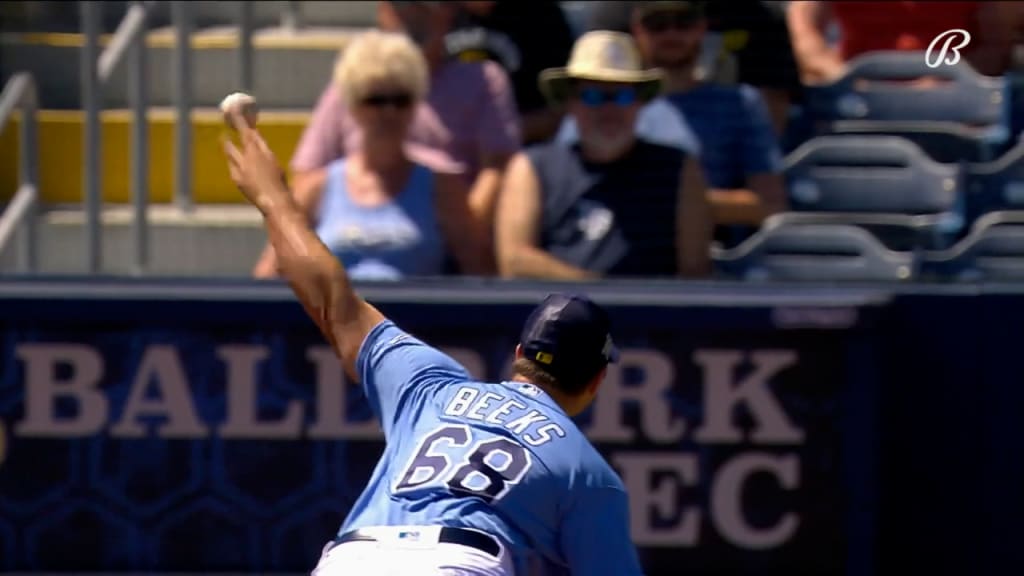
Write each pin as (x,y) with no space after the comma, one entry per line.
(43,389)
(656,516)
(461,401)
(476,412)
(722,393)
(243,419)
(727,500)
(651,394)
(505,409)
(544,434)
(162,366)
(519,425)
(960,36)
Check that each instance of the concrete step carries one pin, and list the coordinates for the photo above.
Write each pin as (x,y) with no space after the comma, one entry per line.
(61,137)
(212,241)
(290,67)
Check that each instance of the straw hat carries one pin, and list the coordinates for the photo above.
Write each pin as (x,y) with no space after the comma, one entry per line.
(602,56)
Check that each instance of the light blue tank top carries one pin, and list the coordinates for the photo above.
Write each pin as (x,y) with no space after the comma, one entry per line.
(387,242)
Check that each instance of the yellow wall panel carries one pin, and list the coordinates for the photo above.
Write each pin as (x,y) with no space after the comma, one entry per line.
(61,136)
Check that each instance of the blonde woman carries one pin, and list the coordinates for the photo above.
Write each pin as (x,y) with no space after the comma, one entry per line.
(383,211)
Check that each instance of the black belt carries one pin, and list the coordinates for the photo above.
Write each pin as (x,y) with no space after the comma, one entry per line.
(471,538)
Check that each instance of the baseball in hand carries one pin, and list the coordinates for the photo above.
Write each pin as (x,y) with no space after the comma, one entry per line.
(243,102)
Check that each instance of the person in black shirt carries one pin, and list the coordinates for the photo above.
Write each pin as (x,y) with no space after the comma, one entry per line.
(525,38)
(611,204)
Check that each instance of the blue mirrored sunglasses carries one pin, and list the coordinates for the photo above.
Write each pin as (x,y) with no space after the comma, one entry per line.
(594,97)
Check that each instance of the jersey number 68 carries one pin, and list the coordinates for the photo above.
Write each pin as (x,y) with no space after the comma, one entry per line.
(488,469)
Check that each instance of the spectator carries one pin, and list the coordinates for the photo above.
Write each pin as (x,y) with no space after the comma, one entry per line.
(750,34)
(754,34)
(613,204)
(739,150)
(657,121)
(469,114)
(870,26)
(524,38)
(383,214)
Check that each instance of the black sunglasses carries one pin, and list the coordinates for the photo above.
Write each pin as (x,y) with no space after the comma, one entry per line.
(663,21)
(393,100)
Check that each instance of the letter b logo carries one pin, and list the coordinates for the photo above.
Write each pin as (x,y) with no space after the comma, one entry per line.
(945,48)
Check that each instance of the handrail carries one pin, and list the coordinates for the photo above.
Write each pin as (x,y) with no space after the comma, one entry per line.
(181,17)
(138,95)
(128,40)
(20,92)
(97,68)
(133,22)
(91,141)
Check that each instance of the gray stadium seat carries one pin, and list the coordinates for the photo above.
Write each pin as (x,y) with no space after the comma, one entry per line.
(996,185)
(869,91)
(812,252)
(967,114)
(943,141)
(994,250)
(861,177)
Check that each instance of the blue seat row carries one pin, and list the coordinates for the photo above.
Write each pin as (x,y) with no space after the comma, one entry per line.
(805,249)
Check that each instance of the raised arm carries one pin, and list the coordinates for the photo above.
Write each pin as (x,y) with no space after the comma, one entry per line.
(307,189)
(818,62)
(315,275)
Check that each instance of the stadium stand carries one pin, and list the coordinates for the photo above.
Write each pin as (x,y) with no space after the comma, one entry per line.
(993,251)
(881,154)
(295,45)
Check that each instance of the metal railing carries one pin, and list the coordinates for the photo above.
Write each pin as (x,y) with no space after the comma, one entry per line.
(97,68)
(128,41)
(20,93)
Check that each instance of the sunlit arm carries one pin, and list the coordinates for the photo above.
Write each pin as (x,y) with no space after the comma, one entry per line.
(316,276)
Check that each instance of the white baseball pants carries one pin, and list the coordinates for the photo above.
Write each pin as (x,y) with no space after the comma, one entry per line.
(409,551)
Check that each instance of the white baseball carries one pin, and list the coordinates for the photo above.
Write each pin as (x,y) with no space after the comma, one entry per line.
(242,101)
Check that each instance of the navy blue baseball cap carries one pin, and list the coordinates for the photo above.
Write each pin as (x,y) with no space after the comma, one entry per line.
(569,336)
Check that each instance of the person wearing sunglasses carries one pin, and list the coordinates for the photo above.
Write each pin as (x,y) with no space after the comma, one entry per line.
(610,204)
(739,149)
(381,210)
(468,114)
(747,43)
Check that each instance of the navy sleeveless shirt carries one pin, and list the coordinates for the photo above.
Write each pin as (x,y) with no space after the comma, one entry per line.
(619,218)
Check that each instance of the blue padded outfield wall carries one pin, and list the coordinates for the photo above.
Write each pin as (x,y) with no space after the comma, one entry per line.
(197,427)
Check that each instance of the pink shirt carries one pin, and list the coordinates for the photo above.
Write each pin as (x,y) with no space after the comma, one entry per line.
(470,110)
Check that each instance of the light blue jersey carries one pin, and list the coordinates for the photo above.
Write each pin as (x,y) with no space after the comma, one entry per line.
(501,458)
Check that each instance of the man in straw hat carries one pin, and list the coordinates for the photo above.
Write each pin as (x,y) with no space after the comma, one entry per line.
(739,150)
(612,204)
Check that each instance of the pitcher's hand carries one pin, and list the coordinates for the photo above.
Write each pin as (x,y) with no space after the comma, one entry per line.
(252,165)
